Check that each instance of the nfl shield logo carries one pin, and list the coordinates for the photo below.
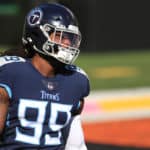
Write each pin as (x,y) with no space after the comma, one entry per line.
(50,86)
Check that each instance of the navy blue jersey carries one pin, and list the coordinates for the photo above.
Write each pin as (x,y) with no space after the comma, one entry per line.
(40,107)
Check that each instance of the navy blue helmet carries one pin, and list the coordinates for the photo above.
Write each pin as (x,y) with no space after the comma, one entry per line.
(57,20)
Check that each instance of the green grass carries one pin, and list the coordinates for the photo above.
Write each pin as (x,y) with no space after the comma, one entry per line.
(117,70)
(9,9)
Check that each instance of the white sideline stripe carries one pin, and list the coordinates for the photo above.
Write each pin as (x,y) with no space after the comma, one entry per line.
(101,117)
(120,115)
(101,95)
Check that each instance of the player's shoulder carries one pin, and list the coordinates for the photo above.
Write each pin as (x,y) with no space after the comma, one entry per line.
(5,60)
(77,70)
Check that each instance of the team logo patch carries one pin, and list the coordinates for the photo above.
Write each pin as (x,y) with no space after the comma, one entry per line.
(34,17)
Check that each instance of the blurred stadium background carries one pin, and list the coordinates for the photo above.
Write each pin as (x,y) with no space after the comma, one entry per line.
(115,52)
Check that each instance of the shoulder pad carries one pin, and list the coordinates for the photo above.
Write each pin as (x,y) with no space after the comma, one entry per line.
(10,59)
(76,69)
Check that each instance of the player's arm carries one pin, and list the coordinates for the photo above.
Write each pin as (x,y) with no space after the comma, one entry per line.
(4,103)
(75,140)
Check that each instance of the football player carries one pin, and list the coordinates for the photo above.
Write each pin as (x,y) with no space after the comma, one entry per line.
(42,93)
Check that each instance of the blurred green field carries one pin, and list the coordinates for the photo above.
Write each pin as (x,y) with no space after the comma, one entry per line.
(117,69)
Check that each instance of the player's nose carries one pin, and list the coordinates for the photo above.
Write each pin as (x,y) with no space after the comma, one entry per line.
(66,42)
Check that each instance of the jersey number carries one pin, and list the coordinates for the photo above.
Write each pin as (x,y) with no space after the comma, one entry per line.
(37,125)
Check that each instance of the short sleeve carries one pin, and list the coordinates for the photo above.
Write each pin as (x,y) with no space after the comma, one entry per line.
(6,72)
(6,80)
(86,87)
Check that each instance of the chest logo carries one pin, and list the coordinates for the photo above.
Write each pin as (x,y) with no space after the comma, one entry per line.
(48,96)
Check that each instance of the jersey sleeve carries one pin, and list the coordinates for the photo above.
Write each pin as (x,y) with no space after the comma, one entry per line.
(85,83)
(83,89)
(6,72)
(82,79)
(86,88)
(6,80)
(10,59)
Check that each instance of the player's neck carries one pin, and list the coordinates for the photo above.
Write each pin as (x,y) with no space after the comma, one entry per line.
(43,66)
